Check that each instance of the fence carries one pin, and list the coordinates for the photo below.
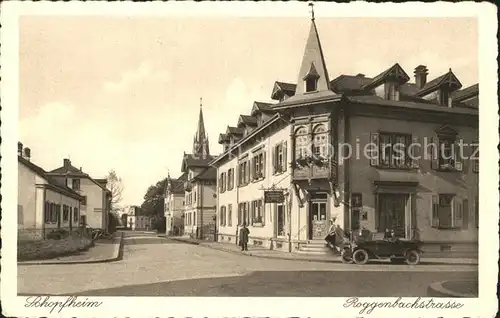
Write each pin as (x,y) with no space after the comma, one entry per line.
(38,234)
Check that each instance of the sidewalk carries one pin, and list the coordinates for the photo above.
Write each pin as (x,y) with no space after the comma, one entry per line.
(103,251)
(328,258)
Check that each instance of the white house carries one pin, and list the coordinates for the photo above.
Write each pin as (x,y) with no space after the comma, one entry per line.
(174,205)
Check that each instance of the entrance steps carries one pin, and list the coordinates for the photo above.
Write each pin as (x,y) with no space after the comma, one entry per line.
(314,247)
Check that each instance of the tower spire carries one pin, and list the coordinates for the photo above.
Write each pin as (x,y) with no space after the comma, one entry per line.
(200,145)
(312,10)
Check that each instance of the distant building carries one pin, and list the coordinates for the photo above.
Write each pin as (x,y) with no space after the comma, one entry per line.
(294,145)
(44,203)
(97,198)
(136,221)
(174,205)
(199,187)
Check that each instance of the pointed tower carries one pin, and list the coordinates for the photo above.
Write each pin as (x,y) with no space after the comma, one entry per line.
(200,144)
(313,76)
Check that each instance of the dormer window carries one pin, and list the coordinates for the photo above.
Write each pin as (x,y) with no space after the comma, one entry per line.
(392,91)
(311,84)
(311,79)
(445,98)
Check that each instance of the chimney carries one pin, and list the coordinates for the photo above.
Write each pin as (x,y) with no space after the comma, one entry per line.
(360,75)
(19,148)
(27,153)
(67,163)
(421,72)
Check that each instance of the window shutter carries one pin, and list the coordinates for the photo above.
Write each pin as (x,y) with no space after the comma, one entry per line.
(434,149)
(264,164)
(46,212)
(435,211)
(263,207)
(459,160)
(457,212)
(284,164)
(274,158)
(374,140)
(415,152)
(465,214)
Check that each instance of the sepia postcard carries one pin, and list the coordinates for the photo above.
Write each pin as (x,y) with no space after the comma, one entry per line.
(249,159)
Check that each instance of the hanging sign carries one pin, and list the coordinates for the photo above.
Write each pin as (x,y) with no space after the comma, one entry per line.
(274,197)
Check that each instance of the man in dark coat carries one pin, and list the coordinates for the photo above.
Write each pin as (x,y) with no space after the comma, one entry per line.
(244,232)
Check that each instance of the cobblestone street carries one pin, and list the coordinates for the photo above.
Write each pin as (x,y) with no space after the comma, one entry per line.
(155,266)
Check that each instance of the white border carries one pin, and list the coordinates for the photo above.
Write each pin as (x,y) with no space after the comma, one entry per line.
(276,307)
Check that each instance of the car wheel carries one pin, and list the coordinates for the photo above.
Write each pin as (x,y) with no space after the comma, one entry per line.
(412,257)
(360,257)
(346,256)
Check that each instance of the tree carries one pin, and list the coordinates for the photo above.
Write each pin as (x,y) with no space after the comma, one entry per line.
(124,219)
(154,200)
(115,186)
(113,223)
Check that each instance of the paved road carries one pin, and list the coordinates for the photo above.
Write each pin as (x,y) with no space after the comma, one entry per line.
(154,266)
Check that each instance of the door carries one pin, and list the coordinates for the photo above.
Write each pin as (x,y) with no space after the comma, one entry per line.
(392,213)
(280,220)
(317,220)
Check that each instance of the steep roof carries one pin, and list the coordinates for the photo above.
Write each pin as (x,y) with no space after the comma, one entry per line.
(313,63)
(69,170)
(235,131)
(54,183)
(210,173)
(466,93)
(190,160)
(447,78)
(247,120)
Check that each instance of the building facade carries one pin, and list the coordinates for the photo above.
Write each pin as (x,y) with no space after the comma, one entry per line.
(174,205)
(97,198)
(199,186)
(379,153)
(137,221)
(44,204)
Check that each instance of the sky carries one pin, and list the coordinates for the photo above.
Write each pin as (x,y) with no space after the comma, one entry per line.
(123,93)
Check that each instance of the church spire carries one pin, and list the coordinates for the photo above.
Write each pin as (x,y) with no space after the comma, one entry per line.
(200,144)
(313,75)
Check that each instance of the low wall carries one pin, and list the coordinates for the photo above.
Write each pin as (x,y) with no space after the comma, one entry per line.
(44,249)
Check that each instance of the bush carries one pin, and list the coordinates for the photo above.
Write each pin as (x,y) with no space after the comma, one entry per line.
(112,223)
(58,234)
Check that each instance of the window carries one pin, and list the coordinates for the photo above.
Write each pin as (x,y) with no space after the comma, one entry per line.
(448,211)
(222,218)
(75,215)
(243,173)
(65,213)
(445,99)
(230,179)
(302,143)
(279,157)
(257,212)
(222,182)
(320,142)
(194,196)
(75,184)
(194,218)
(280,222)
(243,215)
(258,166)
(311,84)
(356,206)
(53,213)
(229,215)
(392,92)
(393,150)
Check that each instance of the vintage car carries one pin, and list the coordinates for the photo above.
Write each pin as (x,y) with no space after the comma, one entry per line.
(360,251)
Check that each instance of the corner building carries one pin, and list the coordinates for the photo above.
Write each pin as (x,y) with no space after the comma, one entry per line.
(413,168)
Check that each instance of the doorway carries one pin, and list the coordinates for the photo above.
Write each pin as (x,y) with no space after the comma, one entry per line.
(318,220)
(392,213)
(280,220)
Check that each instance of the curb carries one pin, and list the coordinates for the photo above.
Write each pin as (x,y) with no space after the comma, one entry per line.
(437,290)
(117,255)
(338,261)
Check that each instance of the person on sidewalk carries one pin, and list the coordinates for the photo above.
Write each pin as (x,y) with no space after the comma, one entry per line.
(244,232)
(330,237)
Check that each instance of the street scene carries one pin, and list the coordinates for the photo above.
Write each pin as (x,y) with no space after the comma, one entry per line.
(226,157)
(158,266)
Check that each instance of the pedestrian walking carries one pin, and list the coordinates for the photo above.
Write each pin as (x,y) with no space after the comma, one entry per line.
(330,237)
(244,232)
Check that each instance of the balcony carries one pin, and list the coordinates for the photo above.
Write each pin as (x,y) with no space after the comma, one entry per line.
(312,167)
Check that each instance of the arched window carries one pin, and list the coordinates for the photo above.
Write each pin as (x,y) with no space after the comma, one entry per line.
(302,143)
(320,141)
